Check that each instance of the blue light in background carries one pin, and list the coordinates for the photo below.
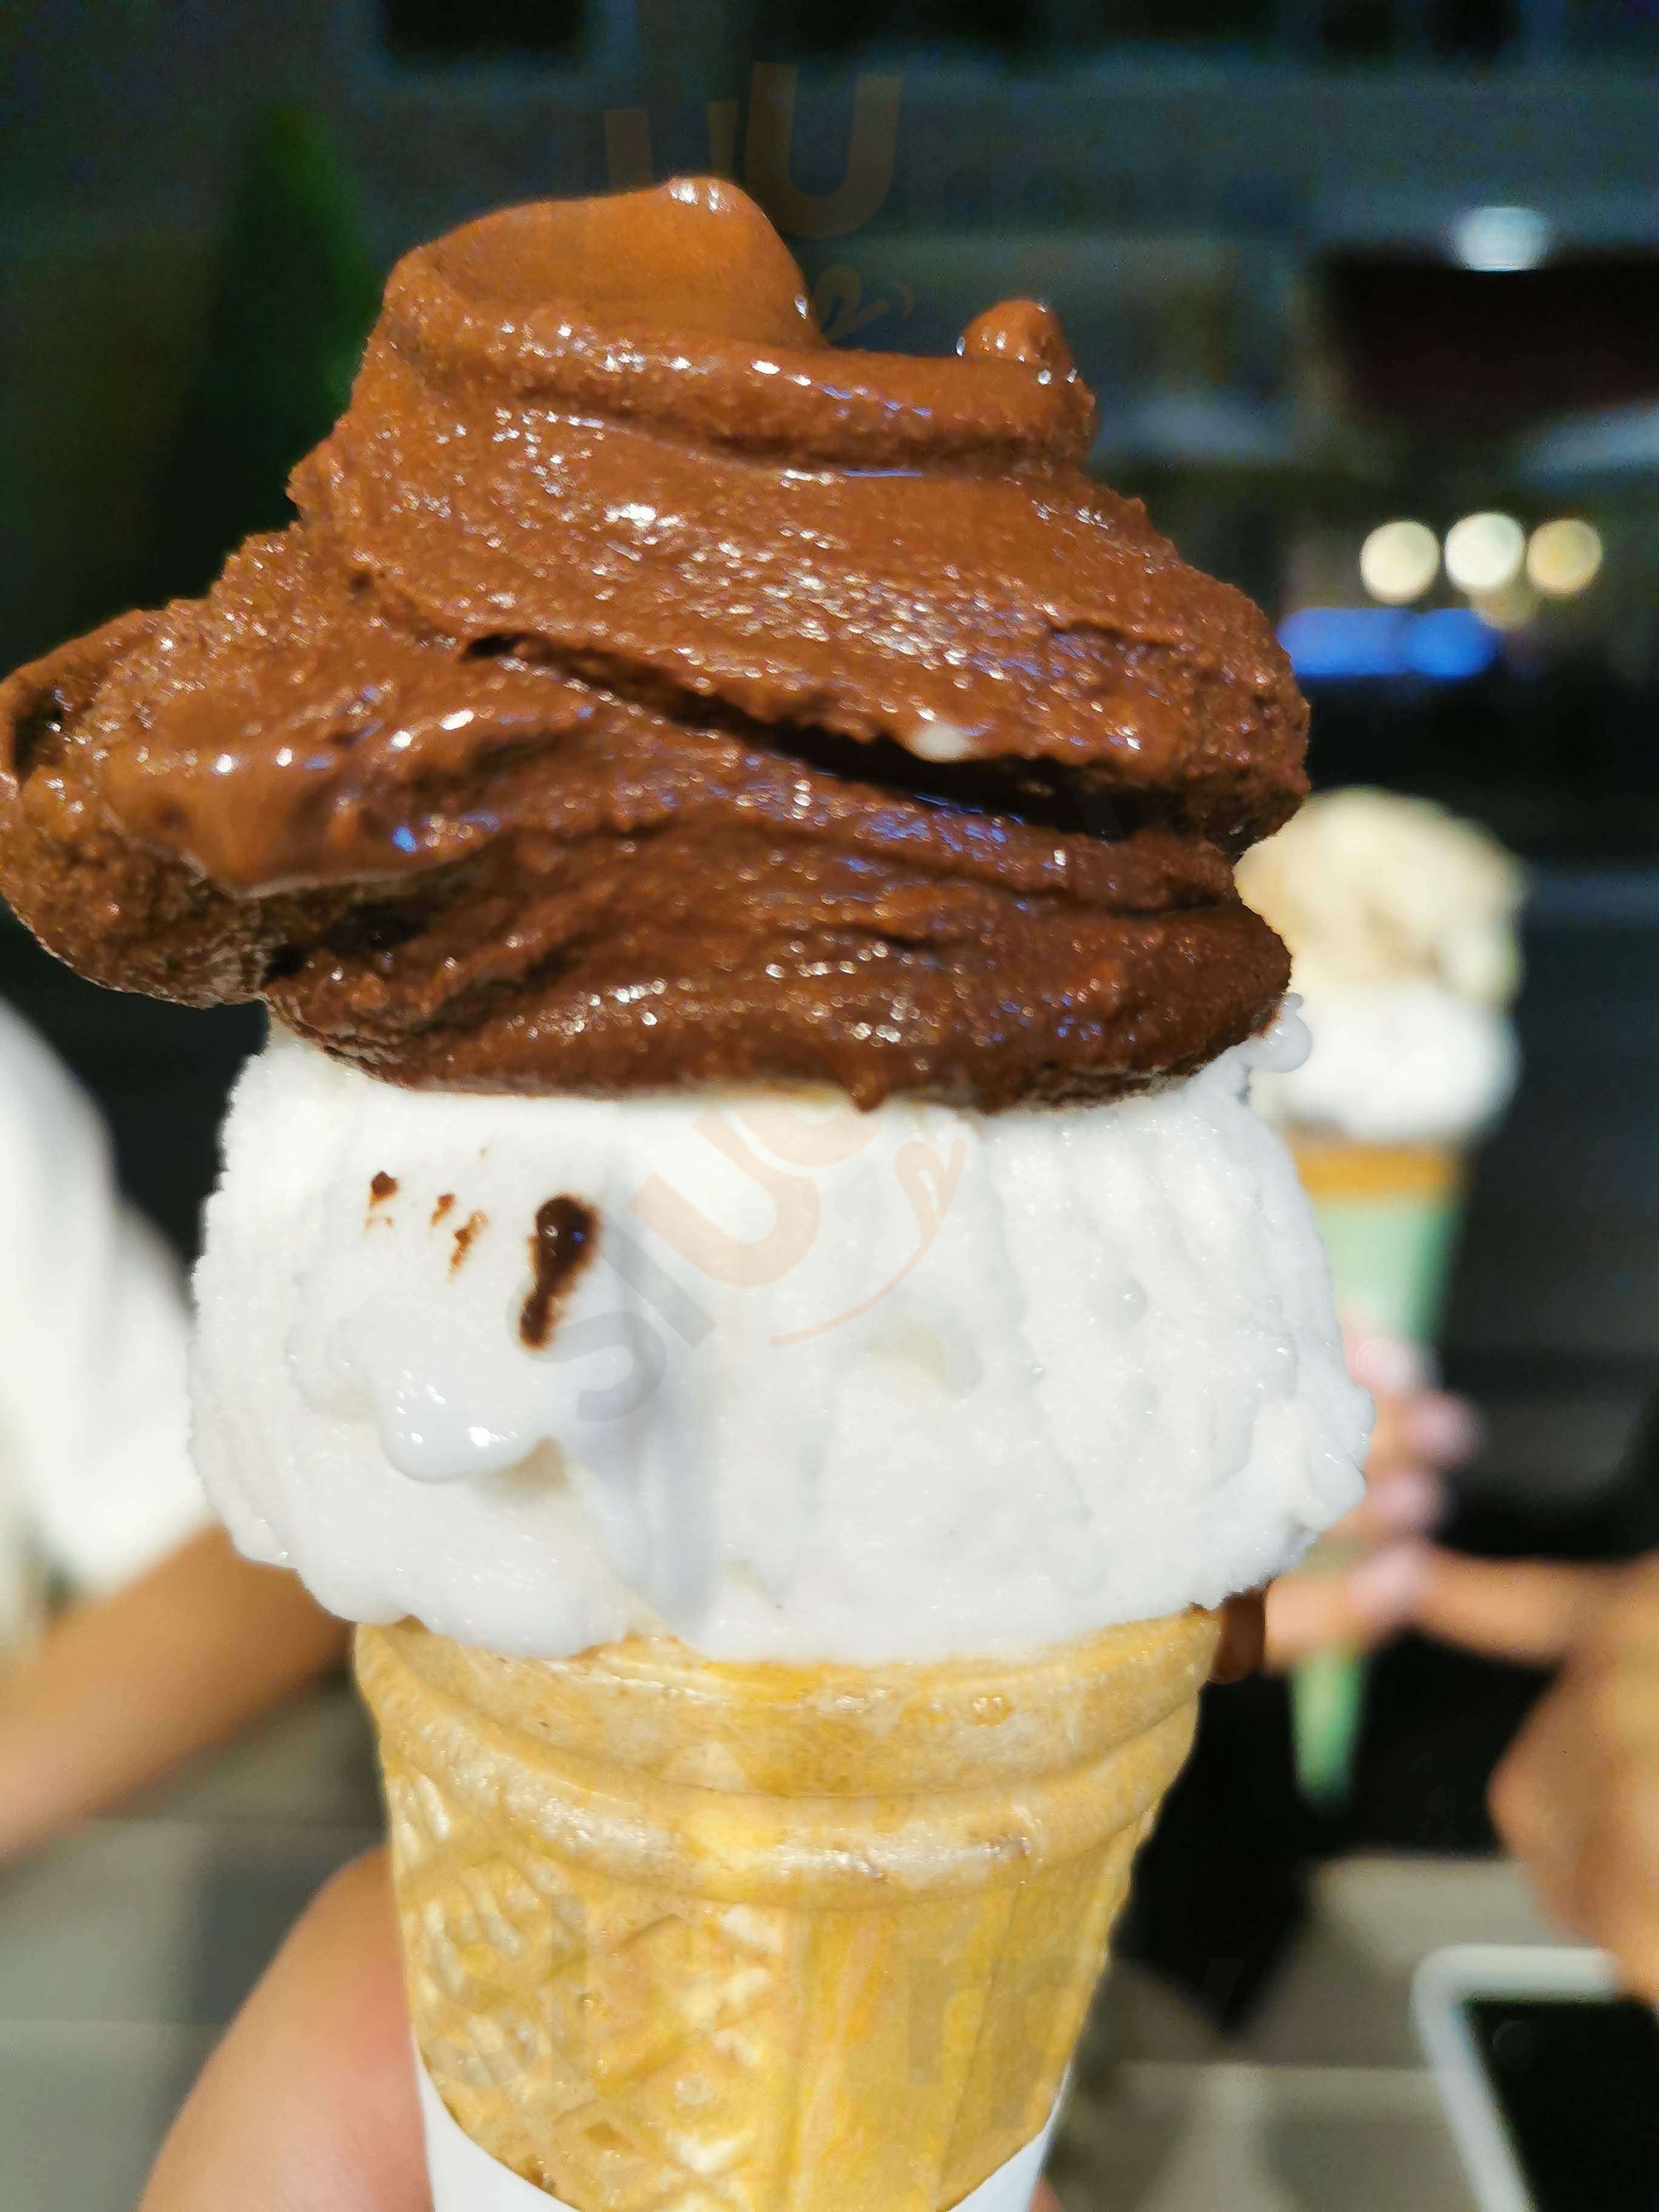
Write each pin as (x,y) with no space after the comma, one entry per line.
(1357,644)
(1346,642)
(1451,644)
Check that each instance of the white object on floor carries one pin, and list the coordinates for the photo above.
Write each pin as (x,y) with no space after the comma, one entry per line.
(467,2179)
(1445,1983)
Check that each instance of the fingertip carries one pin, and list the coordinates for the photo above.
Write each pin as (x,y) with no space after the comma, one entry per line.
(1408,1501)
(1388,1366)
(1386,1590)
(1444,1428)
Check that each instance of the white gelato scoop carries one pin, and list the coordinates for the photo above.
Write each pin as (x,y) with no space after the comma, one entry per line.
(1400,921)
(801,1383)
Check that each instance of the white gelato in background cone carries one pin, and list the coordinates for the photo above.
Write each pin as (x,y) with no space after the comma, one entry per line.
(1401,923)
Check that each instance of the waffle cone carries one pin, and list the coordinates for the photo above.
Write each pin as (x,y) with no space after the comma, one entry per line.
(765,1938)
(1341,1171)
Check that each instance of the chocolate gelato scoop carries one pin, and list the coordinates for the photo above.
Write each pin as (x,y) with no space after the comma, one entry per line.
(649,693)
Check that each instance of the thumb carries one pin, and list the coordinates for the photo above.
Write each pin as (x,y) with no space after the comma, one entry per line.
(1524,1610)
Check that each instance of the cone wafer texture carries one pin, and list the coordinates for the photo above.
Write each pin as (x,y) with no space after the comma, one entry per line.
(680,1934)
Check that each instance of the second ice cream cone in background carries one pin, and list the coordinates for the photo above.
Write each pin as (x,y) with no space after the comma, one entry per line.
(1401,923)
(765,1937)
(1388,1215)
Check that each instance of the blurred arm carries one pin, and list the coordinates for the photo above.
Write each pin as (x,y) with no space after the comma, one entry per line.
(128,1686)
(1529,1612)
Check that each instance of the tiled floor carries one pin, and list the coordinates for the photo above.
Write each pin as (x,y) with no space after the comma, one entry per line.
(1323,2105)
(83,2105)
(123,1950)
(1233,2138)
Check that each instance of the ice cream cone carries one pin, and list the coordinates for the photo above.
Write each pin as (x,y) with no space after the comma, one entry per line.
(718,866)
(765,1937)
(1388,1215)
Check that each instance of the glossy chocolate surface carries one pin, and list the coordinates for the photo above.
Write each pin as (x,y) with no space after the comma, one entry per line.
(651,693)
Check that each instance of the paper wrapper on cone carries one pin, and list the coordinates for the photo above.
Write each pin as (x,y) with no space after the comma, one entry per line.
(464,2178)
(1388,1215)
(757,1937)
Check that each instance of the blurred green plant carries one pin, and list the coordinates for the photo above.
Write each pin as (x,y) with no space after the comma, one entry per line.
(293,295)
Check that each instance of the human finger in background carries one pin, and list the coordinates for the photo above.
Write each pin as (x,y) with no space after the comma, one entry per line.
(1341,1601)
(1385,1364)
(1045,2200)
(1353,1609)
(309,2103)
(1399,1502)
(1416,1425)
(1433,1430)
(1529,1612)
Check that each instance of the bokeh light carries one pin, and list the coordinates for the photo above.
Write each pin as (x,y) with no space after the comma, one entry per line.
(1398,562)
(1564,558)
(1484,552)
(1502,240)
(1511,607)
